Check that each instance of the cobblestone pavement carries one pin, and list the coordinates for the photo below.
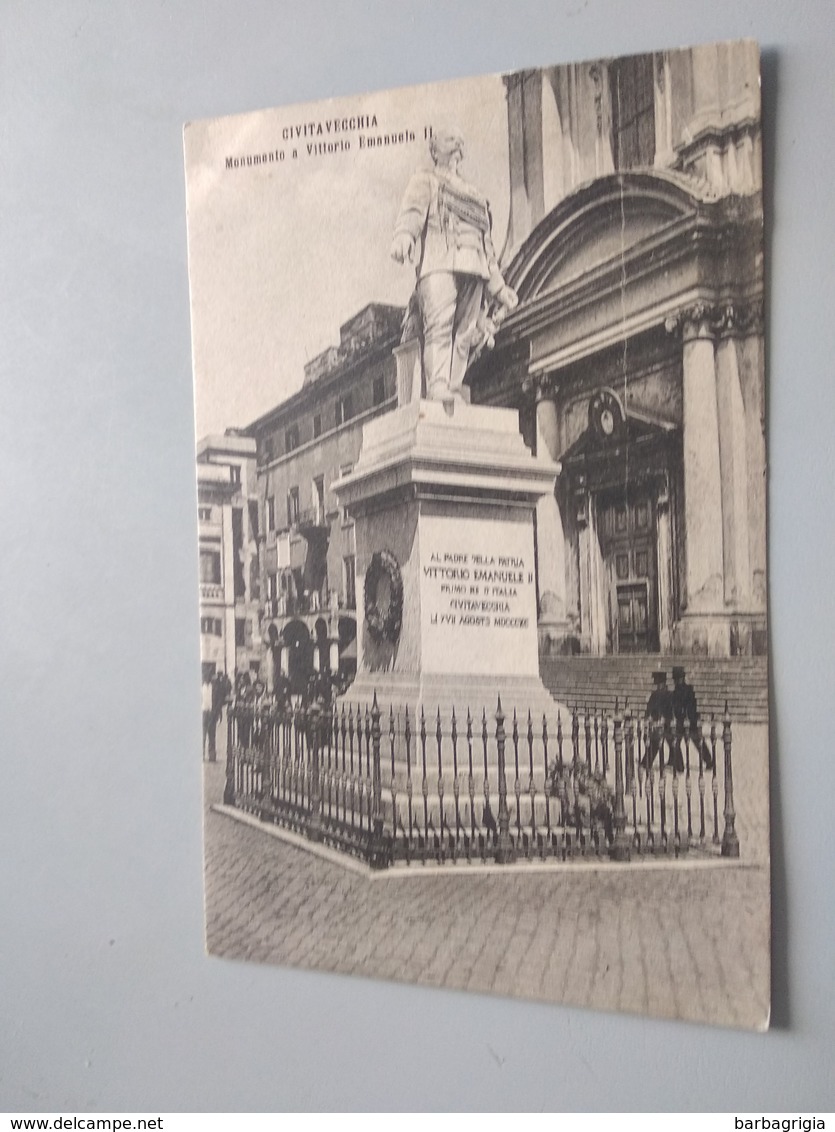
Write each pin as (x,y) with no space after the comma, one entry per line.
(679,942)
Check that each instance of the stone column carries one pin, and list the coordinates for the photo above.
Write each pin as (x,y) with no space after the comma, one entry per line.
(752,380)
(598,590)
(742,423)
(586,579)
(702,471)
(664,143)
(665,566)
(734,462)
(550,535)
(547,422)
(702,629)
(524,115)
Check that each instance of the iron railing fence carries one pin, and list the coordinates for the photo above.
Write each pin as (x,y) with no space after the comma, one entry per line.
(389,787)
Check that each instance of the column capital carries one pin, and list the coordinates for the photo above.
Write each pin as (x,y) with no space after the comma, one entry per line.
(739,319)
(735,319)
(542,386)
(694,321)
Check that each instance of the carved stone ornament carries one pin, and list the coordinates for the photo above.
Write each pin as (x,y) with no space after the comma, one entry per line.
(542,386)
(738,319)
(606,415)
(383,595)
(722,320)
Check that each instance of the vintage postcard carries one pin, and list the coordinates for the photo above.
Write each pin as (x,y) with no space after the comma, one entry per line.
(481,467)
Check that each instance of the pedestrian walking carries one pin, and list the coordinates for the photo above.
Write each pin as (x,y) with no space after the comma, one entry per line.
(659,714)
(685,707)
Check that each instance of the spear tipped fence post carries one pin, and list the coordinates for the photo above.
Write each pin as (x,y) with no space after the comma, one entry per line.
(267,753)
(439,738)
(314,726)
(504,846)
(620,849)
(730,840)
(380,848)
(231,746)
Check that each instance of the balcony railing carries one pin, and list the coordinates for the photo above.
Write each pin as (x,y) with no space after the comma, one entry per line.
(312,519)
(291,606)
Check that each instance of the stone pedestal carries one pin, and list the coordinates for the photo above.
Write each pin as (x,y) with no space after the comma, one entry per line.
(449,491)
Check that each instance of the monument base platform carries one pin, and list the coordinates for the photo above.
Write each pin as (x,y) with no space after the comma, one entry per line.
(443,498)
(430,705)
(477,694)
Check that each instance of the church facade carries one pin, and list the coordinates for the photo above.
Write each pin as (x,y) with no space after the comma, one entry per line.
(636,354)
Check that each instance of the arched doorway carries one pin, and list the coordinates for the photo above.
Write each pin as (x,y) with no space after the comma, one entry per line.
(619,491)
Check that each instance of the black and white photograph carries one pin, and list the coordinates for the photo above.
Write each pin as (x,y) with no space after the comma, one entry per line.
(481,466)
(416,603)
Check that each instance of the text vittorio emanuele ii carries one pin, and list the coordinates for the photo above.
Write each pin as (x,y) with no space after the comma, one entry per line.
(318,139)
(478,590)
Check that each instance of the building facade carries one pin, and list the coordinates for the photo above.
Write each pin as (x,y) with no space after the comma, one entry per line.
(228,524)
(635,356)
(307,551)
(635,359)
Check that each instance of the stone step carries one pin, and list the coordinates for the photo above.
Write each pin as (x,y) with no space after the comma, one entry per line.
(596,682)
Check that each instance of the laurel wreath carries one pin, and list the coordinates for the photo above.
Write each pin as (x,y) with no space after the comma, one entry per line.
(383,624)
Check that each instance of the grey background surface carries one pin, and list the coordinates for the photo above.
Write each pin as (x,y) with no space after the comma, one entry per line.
(106,998)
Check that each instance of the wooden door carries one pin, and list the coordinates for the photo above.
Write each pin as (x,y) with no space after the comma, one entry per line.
(628,543)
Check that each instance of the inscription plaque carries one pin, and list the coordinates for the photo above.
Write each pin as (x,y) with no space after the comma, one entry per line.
(478,596)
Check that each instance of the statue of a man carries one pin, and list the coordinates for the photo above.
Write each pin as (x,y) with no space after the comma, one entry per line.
(444,229)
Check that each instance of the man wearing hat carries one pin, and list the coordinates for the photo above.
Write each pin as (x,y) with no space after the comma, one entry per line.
(444,228)
(659,714)
(685,707)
